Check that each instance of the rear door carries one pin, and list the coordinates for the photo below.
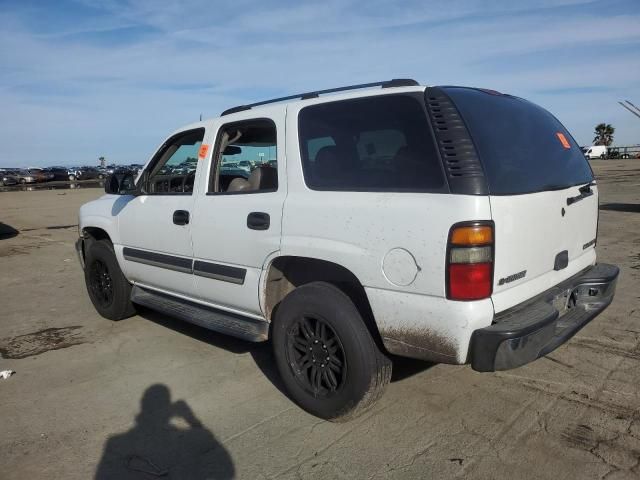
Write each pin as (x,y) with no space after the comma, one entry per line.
(238,222)
(543,199)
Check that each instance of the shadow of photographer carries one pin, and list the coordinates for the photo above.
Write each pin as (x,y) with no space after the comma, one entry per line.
(167,441)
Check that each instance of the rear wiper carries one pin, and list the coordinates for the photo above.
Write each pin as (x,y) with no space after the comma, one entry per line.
(585,191)
(587,187)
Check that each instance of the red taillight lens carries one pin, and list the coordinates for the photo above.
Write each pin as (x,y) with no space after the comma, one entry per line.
(470,281)
(470,261)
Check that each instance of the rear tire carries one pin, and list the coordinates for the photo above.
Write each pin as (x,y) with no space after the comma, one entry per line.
(328,360)
(109,290)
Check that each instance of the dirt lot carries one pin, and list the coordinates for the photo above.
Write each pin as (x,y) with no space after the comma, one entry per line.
(151,397)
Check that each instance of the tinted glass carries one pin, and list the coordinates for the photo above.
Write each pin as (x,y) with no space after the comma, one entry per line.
(175,169)
(522,147)
(246,158)
(380,143)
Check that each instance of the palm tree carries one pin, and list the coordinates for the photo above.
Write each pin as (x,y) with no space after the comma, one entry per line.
(604,134)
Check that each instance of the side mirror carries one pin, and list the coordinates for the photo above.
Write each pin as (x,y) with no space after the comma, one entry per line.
(118,184)
(112,185)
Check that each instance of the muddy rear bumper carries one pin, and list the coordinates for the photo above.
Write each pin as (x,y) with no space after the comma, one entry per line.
(535,328)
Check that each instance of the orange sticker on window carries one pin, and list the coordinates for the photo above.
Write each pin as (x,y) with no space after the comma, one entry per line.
(563,140)
(204,148)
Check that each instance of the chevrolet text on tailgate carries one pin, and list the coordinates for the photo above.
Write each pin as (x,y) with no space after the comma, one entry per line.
(450,224)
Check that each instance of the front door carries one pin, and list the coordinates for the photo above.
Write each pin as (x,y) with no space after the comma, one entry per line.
(155,227)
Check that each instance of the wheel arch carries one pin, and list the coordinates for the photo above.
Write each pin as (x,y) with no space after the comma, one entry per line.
(96,233)
(286,273)
(92,233)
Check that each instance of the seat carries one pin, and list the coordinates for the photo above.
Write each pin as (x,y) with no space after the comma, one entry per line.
(239,185)
(328,167)
(415,171)
(264,177)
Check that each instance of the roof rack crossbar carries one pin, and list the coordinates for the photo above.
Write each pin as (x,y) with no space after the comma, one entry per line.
(396,82)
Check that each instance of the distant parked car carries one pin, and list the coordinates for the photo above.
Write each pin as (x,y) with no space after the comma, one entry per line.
(136,168)
(62,173)
(613,153)
(39,174)
(90,173)
(245,165)
(24,176)
(123,169)
(7,178)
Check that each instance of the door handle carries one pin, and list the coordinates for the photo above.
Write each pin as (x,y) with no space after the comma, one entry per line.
(258,221)
(181,217)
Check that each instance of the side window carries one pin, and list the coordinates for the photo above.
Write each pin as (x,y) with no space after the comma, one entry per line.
(173,171)
(380,143)
(376,149)
(245,158)
(315,144)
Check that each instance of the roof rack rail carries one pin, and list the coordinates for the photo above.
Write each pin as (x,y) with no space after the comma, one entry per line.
(396,82)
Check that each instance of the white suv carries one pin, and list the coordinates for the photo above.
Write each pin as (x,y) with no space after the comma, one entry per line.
(450,224)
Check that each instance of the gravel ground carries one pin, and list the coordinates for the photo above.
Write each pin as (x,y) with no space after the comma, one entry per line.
(151,397)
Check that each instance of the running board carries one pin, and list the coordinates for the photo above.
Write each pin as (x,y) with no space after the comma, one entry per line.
(232,324)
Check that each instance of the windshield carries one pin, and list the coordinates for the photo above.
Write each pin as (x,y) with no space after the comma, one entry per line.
(522,147)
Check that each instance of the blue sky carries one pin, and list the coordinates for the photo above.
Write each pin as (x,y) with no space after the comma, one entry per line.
(84,78)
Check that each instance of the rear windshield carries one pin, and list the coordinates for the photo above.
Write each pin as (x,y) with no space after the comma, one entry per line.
(522,147)
(379,143)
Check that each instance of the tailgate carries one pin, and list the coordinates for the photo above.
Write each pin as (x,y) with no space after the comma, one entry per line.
(544,202)
(541,240)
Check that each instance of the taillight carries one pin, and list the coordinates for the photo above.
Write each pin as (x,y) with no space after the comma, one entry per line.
(470,261)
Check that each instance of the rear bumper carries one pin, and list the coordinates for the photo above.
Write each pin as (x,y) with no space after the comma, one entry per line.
(538,326)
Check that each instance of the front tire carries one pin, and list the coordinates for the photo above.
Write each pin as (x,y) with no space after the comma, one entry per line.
(109,290)
(328,360)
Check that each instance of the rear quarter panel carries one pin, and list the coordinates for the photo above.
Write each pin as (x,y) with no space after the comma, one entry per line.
(395,244)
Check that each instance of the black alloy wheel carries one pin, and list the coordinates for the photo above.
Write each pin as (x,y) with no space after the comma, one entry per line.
(328,360)
(316,356)
(100,283)
(108,288)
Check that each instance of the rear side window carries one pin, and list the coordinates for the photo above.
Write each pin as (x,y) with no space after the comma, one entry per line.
(522,147)
(380,143)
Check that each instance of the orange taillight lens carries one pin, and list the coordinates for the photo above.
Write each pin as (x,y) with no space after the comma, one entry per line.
(472,235)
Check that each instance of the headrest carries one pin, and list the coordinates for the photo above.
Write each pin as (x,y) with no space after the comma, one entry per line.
(239,185)
(264,177)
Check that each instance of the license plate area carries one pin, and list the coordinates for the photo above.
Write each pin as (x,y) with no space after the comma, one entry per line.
(565,301)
